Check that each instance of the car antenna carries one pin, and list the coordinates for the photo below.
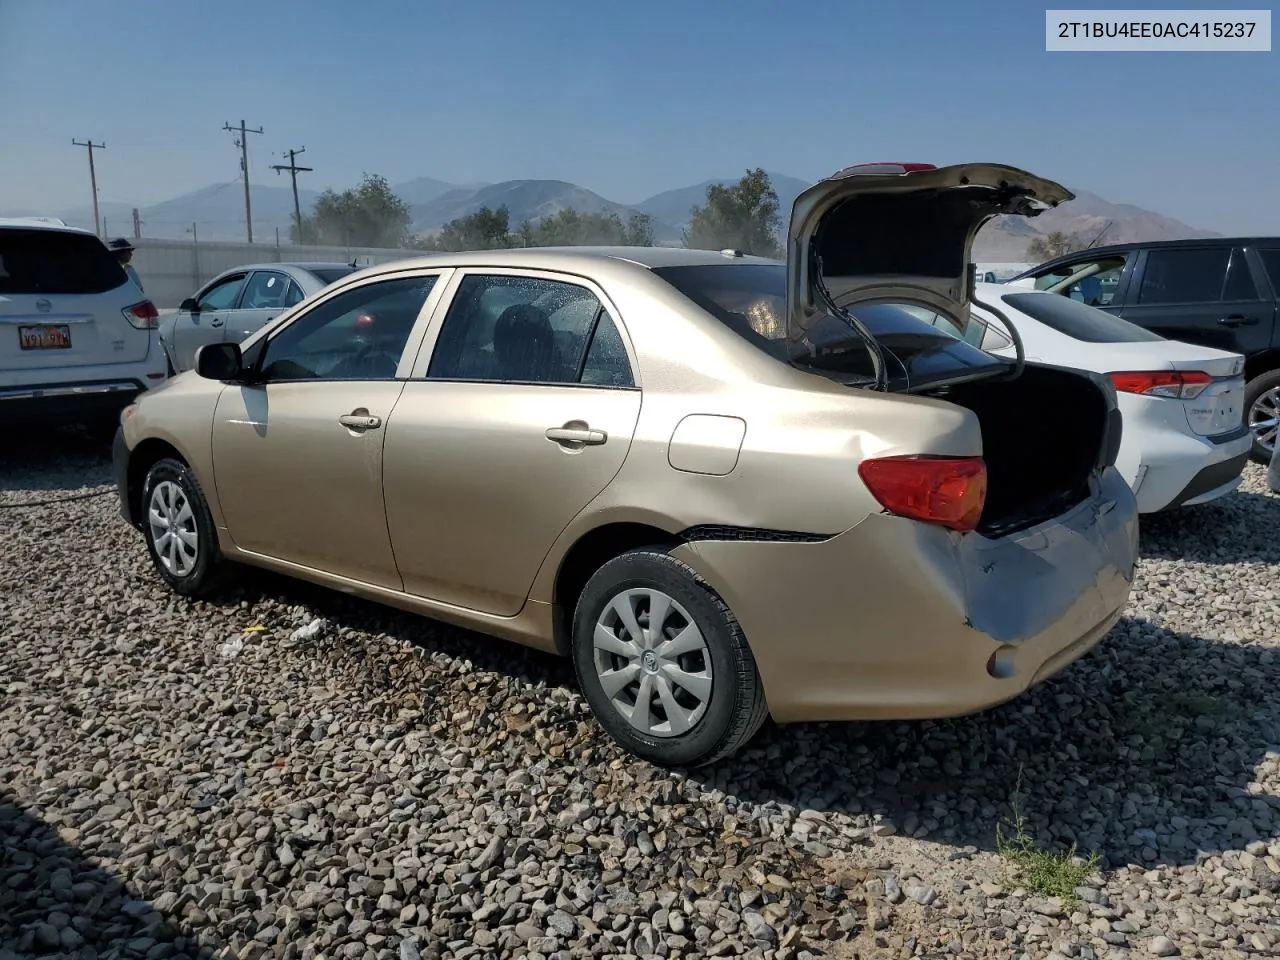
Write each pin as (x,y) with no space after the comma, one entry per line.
(1100,233)
(353,263)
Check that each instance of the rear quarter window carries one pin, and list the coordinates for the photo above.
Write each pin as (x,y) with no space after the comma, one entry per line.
(1078,320)
(54,262)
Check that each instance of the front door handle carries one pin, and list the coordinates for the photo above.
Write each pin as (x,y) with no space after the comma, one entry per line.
(216,322)
(360,419)
(575,434)
(1237,320)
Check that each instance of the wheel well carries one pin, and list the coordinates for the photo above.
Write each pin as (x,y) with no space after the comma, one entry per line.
(141,459)
(1261,363)
(592,551)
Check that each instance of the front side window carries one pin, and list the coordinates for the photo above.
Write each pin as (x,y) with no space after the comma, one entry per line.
(1091,282)
(358,335)
(223,295)
(528,330)
(1185,275)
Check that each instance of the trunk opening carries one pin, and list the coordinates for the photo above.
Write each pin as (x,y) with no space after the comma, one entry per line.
(1043,436)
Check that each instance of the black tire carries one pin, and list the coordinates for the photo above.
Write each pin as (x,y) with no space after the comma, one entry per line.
(735,709)
(205,574)
(1252,391)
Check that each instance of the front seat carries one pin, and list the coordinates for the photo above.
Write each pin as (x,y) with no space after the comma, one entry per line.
(524,344)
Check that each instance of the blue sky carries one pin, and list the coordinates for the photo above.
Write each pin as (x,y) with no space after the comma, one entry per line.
(625,99)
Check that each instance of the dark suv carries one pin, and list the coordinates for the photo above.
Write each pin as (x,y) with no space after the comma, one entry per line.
(1218,293)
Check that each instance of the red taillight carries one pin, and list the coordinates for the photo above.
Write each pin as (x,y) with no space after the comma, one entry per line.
(950,491)
(143,315)
(1174,384)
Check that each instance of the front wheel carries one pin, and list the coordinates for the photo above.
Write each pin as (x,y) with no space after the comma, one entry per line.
(663,662)
(179,529)
(1262,401)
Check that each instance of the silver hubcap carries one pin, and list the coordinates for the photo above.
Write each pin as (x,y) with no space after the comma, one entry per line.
(653,662)
(1264,416)
(173,528)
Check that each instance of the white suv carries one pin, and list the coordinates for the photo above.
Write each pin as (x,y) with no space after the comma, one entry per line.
(78,338)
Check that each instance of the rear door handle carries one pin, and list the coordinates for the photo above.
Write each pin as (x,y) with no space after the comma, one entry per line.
(360,421)
(577,436)
(1237,320)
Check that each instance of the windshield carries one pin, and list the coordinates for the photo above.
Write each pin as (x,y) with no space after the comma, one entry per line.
(750,299)
(330,274)
(1078,320)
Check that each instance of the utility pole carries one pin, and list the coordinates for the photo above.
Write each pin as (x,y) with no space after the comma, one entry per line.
(93,178)
(243,143)
(294,170)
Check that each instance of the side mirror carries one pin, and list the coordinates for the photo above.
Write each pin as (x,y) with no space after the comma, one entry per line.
(189,305)
(220,361)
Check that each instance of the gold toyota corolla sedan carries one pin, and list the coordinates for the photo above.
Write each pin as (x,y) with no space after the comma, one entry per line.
(726,487)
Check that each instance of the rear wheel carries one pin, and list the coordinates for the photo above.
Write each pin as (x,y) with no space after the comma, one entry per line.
(1262,401)
(663,662)
(179,529)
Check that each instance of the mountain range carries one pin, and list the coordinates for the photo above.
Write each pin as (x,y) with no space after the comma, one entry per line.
(216,212)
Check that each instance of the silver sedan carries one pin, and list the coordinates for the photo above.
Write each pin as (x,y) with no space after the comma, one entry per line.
(237,302)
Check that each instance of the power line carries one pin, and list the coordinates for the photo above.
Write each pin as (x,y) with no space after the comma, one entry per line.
(93,178)
(294,170)
(243,143)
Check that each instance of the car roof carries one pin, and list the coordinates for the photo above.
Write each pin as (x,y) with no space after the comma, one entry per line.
(41,223)
(571,258)
(276,265)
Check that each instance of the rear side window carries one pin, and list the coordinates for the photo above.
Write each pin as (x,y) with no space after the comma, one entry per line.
(1271,260)
(1196,275)
(52,262)
(1078,320)
(514,329)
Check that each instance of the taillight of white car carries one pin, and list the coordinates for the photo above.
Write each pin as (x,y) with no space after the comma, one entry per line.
(143,316)
(1174,384)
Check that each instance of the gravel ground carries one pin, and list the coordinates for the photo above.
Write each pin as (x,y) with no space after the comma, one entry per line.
(344,781)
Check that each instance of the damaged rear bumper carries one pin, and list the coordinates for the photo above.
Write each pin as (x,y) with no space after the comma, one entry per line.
(895,619)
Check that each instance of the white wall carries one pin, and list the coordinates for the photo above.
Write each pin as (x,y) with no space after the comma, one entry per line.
(172,270)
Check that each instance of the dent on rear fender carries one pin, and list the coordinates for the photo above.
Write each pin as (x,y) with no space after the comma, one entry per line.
(1018,586)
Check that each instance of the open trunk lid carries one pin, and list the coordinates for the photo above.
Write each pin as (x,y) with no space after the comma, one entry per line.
(897,233)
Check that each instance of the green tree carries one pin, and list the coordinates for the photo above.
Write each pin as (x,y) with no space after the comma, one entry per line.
(485,229)
(1055,244)
(488,229)
(639,230)
(569,228)
(743,217)
(368,215)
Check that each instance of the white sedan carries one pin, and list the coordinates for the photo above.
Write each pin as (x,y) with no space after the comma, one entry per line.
(1184,439)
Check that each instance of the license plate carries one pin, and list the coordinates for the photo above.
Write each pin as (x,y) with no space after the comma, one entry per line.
(51,337)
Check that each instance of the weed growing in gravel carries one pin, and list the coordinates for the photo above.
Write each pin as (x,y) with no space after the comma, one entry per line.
(1043,872)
